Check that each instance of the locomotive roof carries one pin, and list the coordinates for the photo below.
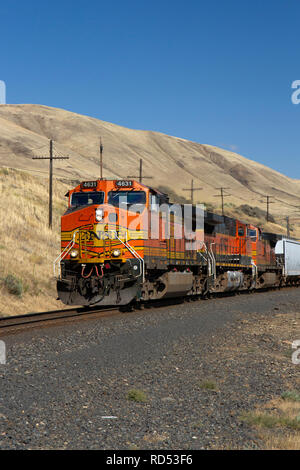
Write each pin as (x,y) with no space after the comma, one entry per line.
(211,218)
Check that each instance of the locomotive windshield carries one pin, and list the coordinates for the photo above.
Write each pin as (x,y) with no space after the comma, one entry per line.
(252,234)
(126,198)
(87,198)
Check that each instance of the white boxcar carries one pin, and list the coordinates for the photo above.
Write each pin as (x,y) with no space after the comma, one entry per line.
(290,249)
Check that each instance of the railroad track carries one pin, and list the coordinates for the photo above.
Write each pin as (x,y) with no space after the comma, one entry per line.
(31,320)
(16,323)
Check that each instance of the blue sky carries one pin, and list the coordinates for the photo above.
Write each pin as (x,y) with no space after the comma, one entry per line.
(217,72)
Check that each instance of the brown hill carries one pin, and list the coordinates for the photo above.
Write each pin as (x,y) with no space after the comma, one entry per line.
(173,162)
(25,132)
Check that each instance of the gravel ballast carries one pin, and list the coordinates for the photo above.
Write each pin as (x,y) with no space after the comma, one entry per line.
(198,366)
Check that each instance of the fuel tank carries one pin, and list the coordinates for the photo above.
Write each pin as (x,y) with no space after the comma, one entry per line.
(232,280)
(176,284)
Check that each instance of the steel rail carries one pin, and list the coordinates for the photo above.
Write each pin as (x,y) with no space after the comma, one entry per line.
(31,319)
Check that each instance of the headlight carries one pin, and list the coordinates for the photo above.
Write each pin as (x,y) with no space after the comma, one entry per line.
(99,214)
(74,253)
(116,253)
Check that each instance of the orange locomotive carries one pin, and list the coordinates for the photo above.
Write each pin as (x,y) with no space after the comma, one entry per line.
(124,242)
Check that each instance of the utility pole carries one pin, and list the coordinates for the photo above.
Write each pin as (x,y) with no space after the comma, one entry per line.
(141,176)
(222,197)
(141,171)
(288,227)
(50,158)
(192,190)
(268,207)
(101,160)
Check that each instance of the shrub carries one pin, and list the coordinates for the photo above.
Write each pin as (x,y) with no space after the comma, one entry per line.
(137,395)
(291,395)
(266,420)
(13,285)
(255,212)
(263,419)
(208,385)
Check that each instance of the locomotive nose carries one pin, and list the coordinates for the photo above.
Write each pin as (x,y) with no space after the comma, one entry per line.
(106,227)
(106,214)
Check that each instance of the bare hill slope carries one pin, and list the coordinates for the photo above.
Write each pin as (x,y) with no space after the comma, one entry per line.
(173,162)
(25,131)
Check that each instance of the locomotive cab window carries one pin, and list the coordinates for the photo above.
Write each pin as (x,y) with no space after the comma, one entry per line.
(241,231)
(209,229)
(131,200)
(87,198)
(252,234)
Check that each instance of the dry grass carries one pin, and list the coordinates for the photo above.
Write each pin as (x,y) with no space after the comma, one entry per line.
(208,385)
(278,423)
(286,442)
(27,246)
(26,129)
(267,340)
(155,437)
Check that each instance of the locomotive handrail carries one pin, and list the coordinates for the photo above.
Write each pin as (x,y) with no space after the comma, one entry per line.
(254,273)
(138,256)
(211,261)
(64,253)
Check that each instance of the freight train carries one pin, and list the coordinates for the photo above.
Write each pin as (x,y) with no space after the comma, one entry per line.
(124,243)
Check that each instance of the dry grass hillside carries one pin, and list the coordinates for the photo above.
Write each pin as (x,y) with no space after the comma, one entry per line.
(173,162)
(28,247)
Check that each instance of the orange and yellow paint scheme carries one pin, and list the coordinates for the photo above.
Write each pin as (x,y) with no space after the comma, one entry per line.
(95,241)
(123,241)
(96,238)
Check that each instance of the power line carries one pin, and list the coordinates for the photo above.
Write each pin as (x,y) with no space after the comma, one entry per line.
(141,176)
(50,158)
(288,226)
(101,159)
(44,146)
(57,151)
(285,203)
(268,207)
(222,197)
(192,190)
(288,219)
